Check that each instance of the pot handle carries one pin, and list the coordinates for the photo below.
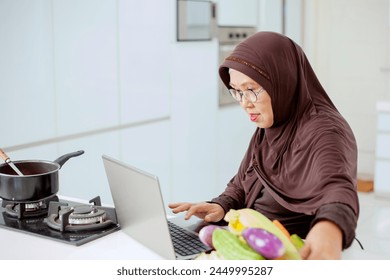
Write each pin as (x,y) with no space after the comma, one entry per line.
(62,159)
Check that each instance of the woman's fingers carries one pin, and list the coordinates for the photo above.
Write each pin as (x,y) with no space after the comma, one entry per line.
(203,210)
(179,207)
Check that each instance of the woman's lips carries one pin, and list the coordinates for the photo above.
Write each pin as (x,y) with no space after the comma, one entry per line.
(253,117)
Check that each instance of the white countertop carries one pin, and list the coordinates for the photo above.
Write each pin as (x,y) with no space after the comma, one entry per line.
(16,245)
(114,246)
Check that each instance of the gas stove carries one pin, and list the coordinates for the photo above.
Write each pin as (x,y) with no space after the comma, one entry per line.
(60,220)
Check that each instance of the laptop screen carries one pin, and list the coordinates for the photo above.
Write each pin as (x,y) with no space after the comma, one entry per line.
(139,206)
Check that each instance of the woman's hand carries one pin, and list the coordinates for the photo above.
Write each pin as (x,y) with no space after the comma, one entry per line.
(209,212)
(323,242)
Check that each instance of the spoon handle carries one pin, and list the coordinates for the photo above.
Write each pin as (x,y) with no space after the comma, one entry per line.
(6,158)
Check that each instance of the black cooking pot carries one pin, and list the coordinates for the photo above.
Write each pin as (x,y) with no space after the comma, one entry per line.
(40,179)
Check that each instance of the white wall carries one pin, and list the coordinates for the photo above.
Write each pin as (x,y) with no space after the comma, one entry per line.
(348,43)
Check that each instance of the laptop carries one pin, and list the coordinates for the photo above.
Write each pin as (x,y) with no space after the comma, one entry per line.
(141,212)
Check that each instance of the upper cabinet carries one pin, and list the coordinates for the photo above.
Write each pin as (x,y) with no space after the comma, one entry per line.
(146,33)
(74,67)
(26,72)
(270,15)
(237,13)
(85,59)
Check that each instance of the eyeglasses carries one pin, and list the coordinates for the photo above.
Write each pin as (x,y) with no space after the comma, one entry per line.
(249,94)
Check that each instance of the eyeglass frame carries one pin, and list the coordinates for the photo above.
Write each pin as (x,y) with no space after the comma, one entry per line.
(252,93)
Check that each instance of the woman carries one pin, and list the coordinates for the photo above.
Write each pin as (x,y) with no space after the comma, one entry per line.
(301,164)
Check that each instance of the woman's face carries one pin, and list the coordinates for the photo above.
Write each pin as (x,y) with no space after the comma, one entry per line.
(260,112)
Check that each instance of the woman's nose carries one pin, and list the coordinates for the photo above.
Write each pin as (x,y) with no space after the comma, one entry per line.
(245,103)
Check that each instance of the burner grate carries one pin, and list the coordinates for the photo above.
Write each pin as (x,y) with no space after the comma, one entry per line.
(38,226)
(21,210)
(77,218)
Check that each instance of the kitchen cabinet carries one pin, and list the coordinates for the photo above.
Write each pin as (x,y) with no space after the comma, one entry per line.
(233,140)
(84,176)
(149,148)
(382,154)
(76,74)
(231,12)
(86,72)
(268,15)
(282,16)
(94,72)
(74,67)
(145,36)
(194,120)
(26,72)
(146,147)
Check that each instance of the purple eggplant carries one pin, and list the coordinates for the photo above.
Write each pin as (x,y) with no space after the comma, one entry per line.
(264,242)
(206,234)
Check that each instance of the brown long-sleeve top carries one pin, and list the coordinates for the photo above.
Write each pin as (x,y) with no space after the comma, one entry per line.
(246,190)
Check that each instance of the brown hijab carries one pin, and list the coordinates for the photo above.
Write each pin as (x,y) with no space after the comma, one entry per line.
(308,158)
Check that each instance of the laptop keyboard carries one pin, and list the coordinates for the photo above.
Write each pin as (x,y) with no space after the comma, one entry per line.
(184,242)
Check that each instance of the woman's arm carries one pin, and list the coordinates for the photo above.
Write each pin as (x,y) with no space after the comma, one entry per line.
(324,242)
(333,230)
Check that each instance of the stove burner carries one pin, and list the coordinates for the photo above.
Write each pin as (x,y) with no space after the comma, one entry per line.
(27,209)
(62,217)
(33,225)
(84,214)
